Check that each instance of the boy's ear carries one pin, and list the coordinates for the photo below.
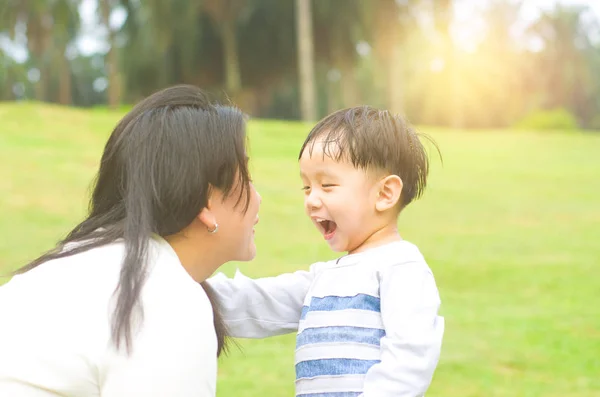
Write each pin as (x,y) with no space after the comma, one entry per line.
(390,190)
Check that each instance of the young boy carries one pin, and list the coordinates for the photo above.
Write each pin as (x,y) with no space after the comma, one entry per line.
(368,322)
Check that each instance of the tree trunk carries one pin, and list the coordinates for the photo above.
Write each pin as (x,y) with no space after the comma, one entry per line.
(64,84)
(6,76)
(304,40)
(114,84)
(38,40)
(233,78)
(112,65)
(40,88)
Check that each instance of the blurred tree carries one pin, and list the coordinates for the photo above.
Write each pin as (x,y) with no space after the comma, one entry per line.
(340,26)
(443,16)
(567,64)
(225,14)
(50,26)
(163,43)
(268,59)
(111,62)
(390,25)
(65,28)
(306,63)
(505,63)
(35,16)
(404,55)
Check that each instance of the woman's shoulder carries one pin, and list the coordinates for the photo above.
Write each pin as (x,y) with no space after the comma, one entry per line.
(94,266)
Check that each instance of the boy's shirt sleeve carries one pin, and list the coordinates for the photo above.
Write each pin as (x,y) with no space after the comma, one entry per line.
(263,307)
(411,348)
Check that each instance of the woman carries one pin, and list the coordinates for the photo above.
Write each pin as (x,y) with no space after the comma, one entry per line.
(120,307)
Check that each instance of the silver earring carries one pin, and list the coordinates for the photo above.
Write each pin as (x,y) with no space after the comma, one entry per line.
(213,231)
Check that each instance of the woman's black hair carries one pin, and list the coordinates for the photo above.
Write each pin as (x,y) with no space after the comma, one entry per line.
(154,178)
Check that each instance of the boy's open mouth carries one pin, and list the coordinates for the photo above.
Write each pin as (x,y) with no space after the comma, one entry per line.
(327,228)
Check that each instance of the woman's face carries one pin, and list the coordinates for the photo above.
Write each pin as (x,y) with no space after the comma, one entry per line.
(236,228)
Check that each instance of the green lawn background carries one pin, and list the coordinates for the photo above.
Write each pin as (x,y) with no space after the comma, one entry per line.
(509,224)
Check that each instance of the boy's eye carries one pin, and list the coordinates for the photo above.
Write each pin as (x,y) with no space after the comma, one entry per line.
(326,185)
(305,187)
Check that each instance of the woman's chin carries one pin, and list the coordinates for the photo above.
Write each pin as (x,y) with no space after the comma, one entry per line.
(251,252)
(248,255)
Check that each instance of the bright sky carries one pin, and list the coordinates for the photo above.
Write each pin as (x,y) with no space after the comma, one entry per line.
(468,30)
(531,8)
(92,38)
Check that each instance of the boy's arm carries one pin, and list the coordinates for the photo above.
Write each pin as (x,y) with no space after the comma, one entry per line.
(259,308)
(411,348)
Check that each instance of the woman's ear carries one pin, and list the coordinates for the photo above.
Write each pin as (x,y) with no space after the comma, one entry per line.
(390,190)
(207,215)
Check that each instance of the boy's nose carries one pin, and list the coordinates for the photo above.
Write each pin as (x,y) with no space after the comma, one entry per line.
(312,200)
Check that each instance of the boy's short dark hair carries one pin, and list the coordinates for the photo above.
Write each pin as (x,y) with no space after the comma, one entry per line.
(375,139)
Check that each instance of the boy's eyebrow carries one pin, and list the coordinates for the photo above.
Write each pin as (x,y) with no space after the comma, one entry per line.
(320,173)
(324,173)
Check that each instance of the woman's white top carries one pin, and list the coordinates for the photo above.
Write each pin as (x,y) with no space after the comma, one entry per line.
(55,330)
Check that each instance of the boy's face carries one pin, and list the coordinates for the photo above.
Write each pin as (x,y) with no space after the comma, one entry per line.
(339,198)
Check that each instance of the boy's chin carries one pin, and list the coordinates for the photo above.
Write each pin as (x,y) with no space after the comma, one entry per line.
(337,247)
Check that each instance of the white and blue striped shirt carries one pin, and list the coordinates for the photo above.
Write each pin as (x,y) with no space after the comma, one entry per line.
(367,323)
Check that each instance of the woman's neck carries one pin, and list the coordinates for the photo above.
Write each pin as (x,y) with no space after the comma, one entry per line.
(197,257)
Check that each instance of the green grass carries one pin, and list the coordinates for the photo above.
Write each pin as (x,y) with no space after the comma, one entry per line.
(510,226)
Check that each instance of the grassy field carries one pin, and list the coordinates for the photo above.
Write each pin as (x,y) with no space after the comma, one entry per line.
(510,225)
